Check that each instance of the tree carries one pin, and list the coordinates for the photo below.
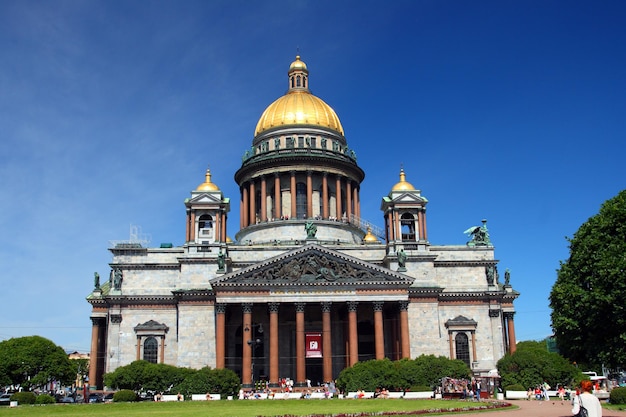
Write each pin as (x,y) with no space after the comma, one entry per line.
(33,361)
(587,307)
(532,364)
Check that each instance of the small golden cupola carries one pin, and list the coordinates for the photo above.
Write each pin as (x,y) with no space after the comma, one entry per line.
(207,185)
(403,185)
(369,237)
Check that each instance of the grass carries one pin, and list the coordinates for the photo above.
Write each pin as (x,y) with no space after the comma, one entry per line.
(235,408)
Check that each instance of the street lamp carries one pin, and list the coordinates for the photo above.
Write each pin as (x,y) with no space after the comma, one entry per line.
(254,343)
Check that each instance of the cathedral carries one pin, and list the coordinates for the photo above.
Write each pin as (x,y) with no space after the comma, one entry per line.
(307,287)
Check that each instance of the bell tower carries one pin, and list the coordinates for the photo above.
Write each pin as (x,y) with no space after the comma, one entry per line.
(207,211)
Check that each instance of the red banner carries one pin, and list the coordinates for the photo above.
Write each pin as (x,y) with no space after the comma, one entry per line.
(313,345)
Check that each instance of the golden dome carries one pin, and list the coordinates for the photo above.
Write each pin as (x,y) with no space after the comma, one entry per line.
(298,106)
(369,237)
(403,185)
(207,185)
(298,65)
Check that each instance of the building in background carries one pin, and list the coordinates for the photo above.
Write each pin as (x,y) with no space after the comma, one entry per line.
(307,287)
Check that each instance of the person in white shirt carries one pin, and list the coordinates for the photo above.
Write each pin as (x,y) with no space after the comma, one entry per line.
(587,400)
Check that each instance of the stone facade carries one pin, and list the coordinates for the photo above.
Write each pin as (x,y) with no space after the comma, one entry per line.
(307,287)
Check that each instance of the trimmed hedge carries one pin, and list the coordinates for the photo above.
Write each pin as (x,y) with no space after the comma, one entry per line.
(515,387)
(125,396)
(45,399)
(618,395)
(24,397)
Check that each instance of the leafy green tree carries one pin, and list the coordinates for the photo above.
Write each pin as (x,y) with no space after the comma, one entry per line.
(588,314)
(423,371)
(33,361)
(145,376)
(215,381)
(532,364)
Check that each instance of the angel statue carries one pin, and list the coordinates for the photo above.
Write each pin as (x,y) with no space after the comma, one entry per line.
(479,235)
(311,229)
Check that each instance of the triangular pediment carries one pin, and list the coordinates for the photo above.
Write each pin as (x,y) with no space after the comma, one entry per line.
(206,198)
(409,197)
(313,266)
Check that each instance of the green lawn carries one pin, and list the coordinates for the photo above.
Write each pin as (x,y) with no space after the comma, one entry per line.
(249,408)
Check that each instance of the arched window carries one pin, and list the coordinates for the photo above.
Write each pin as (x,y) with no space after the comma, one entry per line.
(150,350)
(462,348)
(298,81)
(407,224)
(205,226)
(301,200)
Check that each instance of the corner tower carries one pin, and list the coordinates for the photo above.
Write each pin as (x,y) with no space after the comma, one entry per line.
(299,168)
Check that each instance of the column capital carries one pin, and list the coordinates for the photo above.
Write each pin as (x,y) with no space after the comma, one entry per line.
(326,306)
(352,306)
(300,307)
(247,308)
(273,307)
(508,315)
(220,308)
(378,305)
(403,305)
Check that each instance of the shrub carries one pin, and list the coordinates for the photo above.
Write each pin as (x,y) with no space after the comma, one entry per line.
(515,387)
(124,396)
(618,395)
(24,397)
(420,388)
(45,399)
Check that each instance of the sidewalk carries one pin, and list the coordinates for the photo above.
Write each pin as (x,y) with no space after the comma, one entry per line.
(540,409)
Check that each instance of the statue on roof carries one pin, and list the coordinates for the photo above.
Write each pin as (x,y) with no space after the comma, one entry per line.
(479,235)
(96,280)
(507,277)
(311,229)
(221,260)
(117,279)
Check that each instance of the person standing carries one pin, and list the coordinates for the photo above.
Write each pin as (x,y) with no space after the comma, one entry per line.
(588,400)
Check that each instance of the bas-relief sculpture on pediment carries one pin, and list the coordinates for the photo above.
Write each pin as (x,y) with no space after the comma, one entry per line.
(314,267)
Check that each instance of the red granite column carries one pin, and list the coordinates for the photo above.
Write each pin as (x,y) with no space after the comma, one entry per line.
(93,354)
(162,356)
(274,349)
(278,208)
(300,345)
(338,197)
(325,196)
(220,336)
(474,356)
(263,199)
(379,338)
(193,226)
(224,222)
(511,330)
(357,202)
(252,202)
(404,329)
(293,194)
(244,206)
(309,195)
(353,333)
(246,357)
(327,348)
(187,226)
(349,199)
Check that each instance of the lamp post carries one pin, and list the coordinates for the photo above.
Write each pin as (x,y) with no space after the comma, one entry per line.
(254,342)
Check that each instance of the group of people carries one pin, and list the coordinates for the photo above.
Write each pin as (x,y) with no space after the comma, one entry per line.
(582,397)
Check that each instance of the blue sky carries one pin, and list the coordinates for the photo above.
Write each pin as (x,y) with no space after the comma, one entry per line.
(110,112)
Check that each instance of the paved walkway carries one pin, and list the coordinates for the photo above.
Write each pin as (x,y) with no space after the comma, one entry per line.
(540,409)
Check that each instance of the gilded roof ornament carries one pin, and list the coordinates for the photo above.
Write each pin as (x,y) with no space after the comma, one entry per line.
(207,185)
(403,185)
